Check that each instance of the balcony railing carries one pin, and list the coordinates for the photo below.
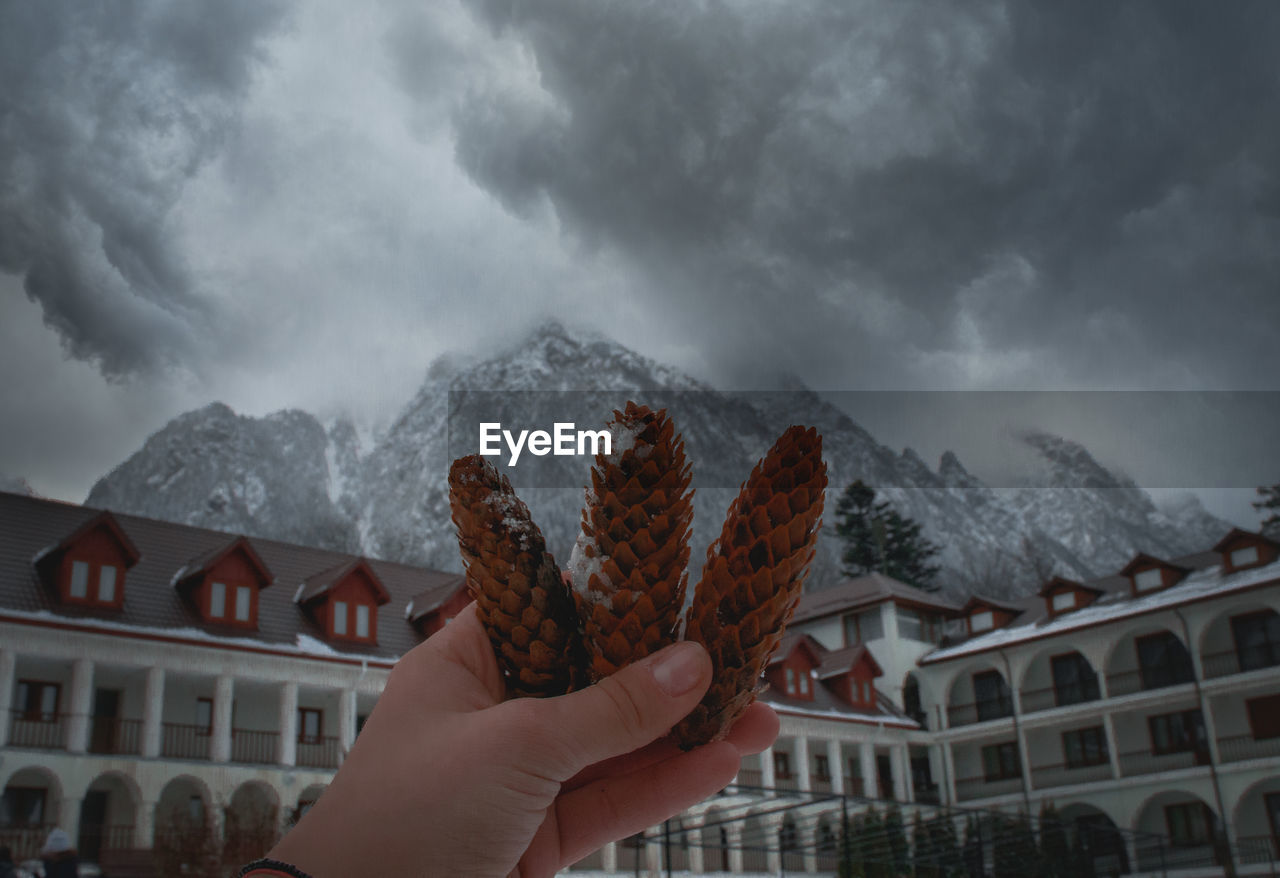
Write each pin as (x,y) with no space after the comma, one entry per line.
(24,842)
(1059,696)
(1128,682)
(786,782)
(820,783)
(179,741)
(254,747)
(42,730)
(980,788)
(116,837)
(1046,776)
(1141,762)
(113,735)
(979,711)
(1238,748)
(1253,849)
(928,794)
(853,786)
(318,753)
(1239,661)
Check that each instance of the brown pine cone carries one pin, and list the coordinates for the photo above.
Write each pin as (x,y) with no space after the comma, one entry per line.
(753,578)
(628,565)
(522,601)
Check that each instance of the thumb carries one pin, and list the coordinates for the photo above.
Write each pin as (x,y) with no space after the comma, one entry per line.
(627,710)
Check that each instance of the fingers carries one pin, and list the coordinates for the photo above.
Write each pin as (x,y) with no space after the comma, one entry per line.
(626,711)
(615,807)
(448,665)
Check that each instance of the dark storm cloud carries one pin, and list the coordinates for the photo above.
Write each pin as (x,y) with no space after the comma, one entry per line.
(1086,190)
(106,111)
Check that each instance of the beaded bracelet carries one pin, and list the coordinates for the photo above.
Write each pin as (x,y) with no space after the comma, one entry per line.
(266,866)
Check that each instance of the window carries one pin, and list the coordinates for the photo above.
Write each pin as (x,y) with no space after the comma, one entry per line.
(1264,716)
(218,600)
(821,767)
(1257,637)
(1073,679)
(781,764)
(1000,761)
(1189,823)
(362,620)
(204,715)
(1149,579)
(991,696)
(107,584)
(38,700)
(983,621)
(244,598)
(79,579)
(867,695)
(863,627)
(1179,732)
(22,807)
(310,725)
(804,682)
(339,617)
(1162,660)
(1084,747)
(1245,556)
(195,809)
(1064,600)
(791,681)
(909,624)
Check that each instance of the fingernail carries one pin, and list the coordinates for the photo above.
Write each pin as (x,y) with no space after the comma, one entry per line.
(678,668)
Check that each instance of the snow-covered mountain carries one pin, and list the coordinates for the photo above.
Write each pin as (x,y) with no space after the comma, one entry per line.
(287,477)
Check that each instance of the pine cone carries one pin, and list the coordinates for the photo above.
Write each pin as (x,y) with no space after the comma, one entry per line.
(628,565)
(753,578)
(522,601)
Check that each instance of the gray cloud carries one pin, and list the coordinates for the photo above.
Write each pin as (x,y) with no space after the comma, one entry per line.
(107,112)
(1085,190)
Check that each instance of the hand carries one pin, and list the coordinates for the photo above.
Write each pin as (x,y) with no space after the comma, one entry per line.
(447,779)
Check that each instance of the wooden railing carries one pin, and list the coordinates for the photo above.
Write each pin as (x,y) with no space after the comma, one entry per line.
(1139,762)
(1239,661)
(1033,700)
(42,730)
(1045,776)
(254,747)
(1128,682)
(178,741)
(979,711)
(113,735)
(980,788)
(318,752)
(1237,748)
(24,842)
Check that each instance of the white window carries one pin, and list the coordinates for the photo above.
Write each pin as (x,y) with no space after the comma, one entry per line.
(910,625)
(107,584)
(804,683)
(983,621)
(1244,556)
(339,617)
(243,596)
(362,620)
(79,579)
(791,681)
(1064,600)
(218,600)
(1149,579)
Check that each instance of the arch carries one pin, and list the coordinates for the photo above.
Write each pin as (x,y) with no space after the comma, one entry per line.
(1171,664)
(308,797)
(1256,623)
(713,836)
(1056,676)
(35,793)
(790,846)
(979,693)
(108,815)
(755,844)
(912,700)
(251,822)
(1096,839)
(826,837)
(1252,820)
(1176,829)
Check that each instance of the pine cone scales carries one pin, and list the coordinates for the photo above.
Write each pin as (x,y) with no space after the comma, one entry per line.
(752,579)
(521,599)
(628,566)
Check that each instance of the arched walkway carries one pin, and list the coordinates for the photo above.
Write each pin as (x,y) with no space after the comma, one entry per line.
(1149,658)
(186,832)
(789,844)
(108,816)
(1176,830)
(1257,821)
(306,799)
(1244,638)
(1055,678)
(251,823)
(1096,840)
(755,844)
(978,694)
(32,806)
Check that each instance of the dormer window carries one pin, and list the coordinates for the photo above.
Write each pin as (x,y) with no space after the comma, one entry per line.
(1149,574)
(87,568)
(223,584)
(791,681)
(982,621)
(344,600)
(1148,580)
(1244,556)
(1064,600)
(1242,549)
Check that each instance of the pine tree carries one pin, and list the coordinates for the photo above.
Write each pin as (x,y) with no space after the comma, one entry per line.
(878,538)
(1016,853)
(947,847)
(895,834)
(924,853)
(1270,495)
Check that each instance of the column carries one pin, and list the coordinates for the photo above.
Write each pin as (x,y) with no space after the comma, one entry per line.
(1113,752)
(837,766)
(153,713)
(144,831)
(802,763)
(948,773)
(938,773)
(8,661)
(735,846)
(78,710)
(611,857)
(287,754)
(1025,755)
(695,850)
(810,846)
(346,720)
(902,787)
(69,817)
(767,778)
(867,762)
(773,856)
(223,692)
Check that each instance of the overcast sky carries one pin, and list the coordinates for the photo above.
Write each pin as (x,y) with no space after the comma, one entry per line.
(277,204)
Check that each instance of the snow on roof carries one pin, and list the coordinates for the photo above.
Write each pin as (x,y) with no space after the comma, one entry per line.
(1201,584)
(408,610)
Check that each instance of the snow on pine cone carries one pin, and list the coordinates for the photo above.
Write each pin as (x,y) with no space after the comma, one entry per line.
(753,577)
(520,597)
(628,565)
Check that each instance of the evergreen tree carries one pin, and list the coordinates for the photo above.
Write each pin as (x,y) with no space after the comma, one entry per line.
(895,835)
(946,845)
(1054,847)
(1270,502)
(924,856)
(851,848)
(877,538)
(974,855)
(1016,854)
(877,856)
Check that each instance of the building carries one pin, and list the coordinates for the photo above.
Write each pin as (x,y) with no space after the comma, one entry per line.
(151,670)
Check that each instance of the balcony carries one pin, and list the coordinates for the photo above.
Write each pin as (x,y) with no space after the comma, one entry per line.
(43,731)
(318,753)
(115,736)
(1047,776)
(1083,692)
(970,788)
(254,747)
(929,794)
(178,741)
(786,782)
(1238,748)
(853,786)
(1141,762)
(1129,682)
(820,783)
(1239,661)
(24,842)
(979,711)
